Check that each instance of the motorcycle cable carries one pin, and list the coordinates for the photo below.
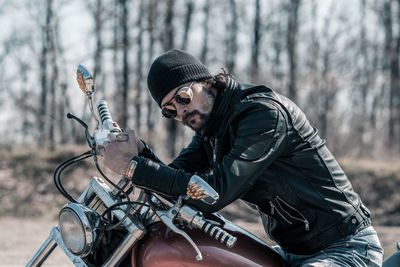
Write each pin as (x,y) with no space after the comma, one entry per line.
(155,206)
(120,191)
(109,209)
(59,178)
(57,173)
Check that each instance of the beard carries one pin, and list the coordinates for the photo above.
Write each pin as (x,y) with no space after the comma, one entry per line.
(193,123)
(195,119)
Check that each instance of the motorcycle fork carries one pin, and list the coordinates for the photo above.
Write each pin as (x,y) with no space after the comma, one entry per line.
(97,189)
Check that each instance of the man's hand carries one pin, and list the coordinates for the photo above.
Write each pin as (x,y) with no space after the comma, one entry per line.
(120,150)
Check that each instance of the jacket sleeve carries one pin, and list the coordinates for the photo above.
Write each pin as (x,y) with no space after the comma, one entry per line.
(191,159)
(259,137)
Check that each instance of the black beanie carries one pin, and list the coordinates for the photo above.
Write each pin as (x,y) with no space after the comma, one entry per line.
(172,69)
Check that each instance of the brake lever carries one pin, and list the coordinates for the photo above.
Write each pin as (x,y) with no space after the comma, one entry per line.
(167,217)
(89,138)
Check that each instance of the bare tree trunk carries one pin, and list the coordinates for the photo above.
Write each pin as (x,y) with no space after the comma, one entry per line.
(394,89)
(388,28)
(325,97)
(116,60)
(63,105)
(394,101)
(292,31)
(231,42)
(377,94)
(168,36)
(168,43)
(362,81)
(188,20)
(314,43)
(125,63)
(152,16)
(98,54)
(387,23)
(43,60)
(139,72)
(256,43)
(278,46)
(204,48)
(54,86)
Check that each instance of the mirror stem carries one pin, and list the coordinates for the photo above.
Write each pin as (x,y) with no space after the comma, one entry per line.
(96,119)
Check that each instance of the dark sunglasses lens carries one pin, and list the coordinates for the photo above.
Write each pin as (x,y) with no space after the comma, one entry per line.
(184,95)
(168,112)
(183,99)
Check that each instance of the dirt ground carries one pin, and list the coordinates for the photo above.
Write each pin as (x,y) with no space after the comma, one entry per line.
(20,238)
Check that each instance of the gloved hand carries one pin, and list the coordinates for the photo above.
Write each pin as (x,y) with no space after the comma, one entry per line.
(120,149)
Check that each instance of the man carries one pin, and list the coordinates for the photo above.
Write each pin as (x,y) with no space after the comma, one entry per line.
(254,144)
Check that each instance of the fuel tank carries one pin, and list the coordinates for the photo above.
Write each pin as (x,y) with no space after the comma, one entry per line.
(162,247)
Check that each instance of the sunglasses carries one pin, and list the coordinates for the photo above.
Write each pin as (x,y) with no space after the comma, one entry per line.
(183,96)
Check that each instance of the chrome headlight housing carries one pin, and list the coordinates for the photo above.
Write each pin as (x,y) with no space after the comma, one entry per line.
(80,228)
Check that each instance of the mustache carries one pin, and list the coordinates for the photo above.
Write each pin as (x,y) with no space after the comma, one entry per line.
(186,116)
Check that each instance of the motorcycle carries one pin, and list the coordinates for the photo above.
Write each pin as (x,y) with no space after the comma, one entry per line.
(394,260)
(124,225)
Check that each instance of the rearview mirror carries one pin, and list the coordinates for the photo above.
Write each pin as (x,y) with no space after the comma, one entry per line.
(85,80)
(199,189)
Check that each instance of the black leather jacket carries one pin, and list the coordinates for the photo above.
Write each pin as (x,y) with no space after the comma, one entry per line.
(260,147)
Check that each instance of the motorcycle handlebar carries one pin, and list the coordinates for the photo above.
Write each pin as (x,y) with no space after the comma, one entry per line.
(219,234)
(214,231)
(106,119)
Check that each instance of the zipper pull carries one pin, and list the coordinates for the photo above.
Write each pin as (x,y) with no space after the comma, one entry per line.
(307,225)
(272,207)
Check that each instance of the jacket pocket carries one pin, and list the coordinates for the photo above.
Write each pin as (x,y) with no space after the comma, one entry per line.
(288,213)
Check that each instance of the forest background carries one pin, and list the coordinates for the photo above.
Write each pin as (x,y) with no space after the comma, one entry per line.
(339,60)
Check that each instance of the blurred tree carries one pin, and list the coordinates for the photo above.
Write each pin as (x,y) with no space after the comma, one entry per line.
(125,62)
(122,65)
(292,43)
(54,84)
(232,34)
(324,85)
(255,49)
(394,103)
(97,11)
(391,68)
(43,62)
(350,59)
(139,67)
(167,40)
(278,47)
(365,72)
(152,14)
(204,47)
(186,25)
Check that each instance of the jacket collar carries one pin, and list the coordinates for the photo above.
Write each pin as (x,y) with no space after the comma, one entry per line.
(220,112)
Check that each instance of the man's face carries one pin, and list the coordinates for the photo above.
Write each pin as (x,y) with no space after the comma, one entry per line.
(196,113)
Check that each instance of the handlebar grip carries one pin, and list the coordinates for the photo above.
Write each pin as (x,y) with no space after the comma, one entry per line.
(104,113)
(219,234)
(105,116)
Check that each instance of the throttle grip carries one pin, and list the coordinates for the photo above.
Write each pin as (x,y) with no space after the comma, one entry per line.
(219,234)
(106,119)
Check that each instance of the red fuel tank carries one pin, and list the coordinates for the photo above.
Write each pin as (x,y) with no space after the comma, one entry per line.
(162,247)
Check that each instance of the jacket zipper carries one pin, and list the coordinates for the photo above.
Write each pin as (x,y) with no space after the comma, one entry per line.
(302,219)
(268,218)
(273,209)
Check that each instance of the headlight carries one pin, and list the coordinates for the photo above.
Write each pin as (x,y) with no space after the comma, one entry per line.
(79,227)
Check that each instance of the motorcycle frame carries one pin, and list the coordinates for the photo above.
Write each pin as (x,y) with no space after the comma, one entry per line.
(131,223)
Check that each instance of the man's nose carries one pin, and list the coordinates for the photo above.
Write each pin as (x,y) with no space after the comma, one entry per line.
(180,110)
